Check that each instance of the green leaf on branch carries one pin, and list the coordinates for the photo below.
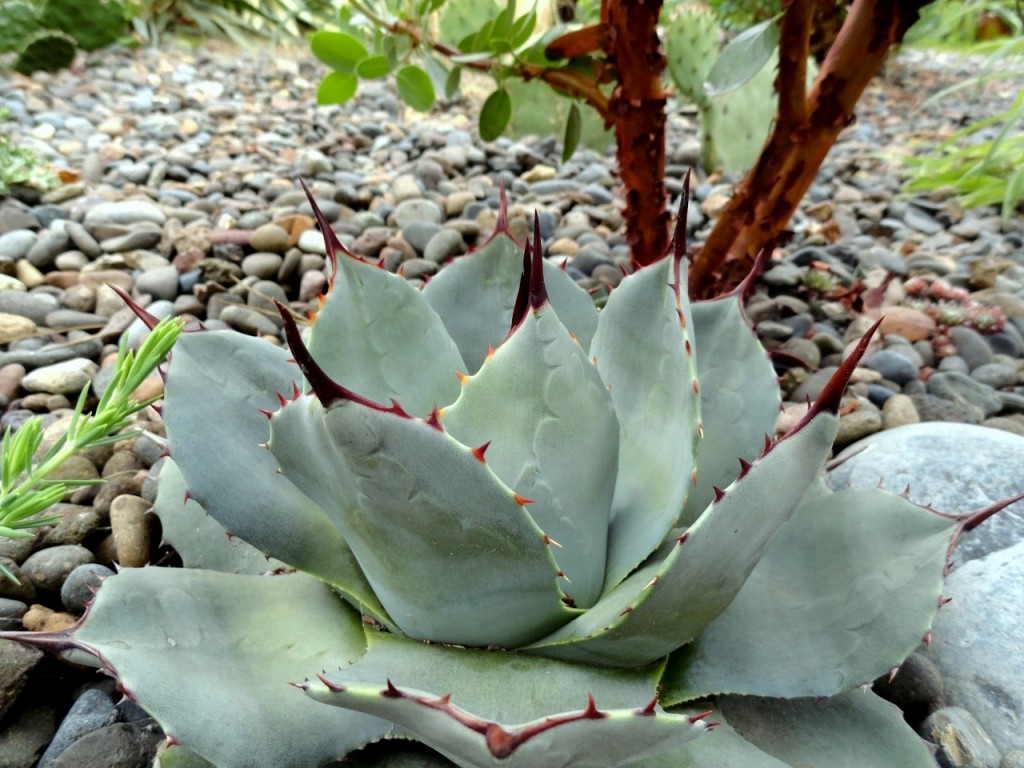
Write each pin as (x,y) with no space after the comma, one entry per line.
(573,128)
(437,73)
(373,67)
(523,28)
(337,88)
(451,85)
(744,56)
(495,114)
(389,46)
(415,87)
(338,50)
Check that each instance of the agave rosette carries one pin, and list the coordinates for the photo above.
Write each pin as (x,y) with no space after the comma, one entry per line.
(516,529)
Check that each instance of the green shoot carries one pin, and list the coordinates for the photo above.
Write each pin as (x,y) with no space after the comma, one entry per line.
(25,491)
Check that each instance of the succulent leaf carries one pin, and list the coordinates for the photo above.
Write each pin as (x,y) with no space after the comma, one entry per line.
(724,748)
(643,351)
(664,606)
(474,296)
(393,344)
(217,384)
(419,508)
(739,397)
(548,715)
(236,637)
(855,729)
(200,540)
(540,405)
(870,563)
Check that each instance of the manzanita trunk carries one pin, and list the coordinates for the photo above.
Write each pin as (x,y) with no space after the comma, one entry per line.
(806,126)
(637,108)
(804,131)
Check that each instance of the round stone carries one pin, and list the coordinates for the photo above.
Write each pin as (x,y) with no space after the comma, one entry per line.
(159,282)
(418,234)
(971,346)
(79,588)
(64,378)
(124,212)
(858,424)
(892,365)
(961,741)
(131,529)
(14,327)
(270,237)
(48,568)
(898,411)
(248,321)
(444,245)
(263,265)
(417,209)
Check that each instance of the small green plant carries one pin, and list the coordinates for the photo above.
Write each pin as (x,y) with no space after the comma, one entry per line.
(982,162)
(47,35)
(982,171)
(520,531)
(25,490)
(979,26)
(949,306)
(20,166)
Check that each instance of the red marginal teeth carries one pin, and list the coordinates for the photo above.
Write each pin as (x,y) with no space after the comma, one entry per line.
(332,687)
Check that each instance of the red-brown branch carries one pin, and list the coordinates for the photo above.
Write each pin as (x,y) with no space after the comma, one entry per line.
(770,193)
(637,109)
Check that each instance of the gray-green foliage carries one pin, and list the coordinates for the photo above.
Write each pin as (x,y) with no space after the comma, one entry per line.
(565,555)
(25,490)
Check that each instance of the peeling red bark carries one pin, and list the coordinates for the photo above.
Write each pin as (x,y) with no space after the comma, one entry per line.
(637,112)
(803,134)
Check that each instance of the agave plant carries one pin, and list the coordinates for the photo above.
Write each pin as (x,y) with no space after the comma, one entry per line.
(517,530)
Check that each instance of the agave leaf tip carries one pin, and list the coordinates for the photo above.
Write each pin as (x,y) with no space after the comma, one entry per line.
(148,318)
(694,719)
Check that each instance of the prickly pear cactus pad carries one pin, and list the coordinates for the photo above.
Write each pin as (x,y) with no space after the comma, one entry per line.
(520,531)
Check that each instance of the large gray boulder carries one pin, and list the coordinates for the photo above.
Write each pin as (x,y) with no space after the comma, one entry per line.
(952,467)
(978,643)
